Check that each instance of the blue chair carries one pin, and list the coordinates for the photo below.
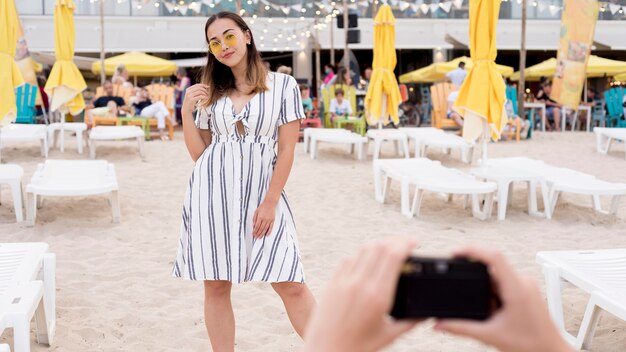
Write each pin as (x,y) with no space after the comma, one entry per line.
(613,98)
(511,95)
(25,96)
(598,114)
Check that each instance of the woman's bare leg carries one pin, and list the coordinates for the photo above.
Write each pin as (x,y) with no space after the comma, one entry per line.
(298,301)
(218,315)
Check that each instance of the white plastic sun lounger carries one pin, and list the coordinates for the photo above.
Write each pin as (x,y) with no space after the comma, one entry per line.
(308,132)
(417,134)
(352,139)
(601,273)
(111,133)
(563,180)
(445,141)
(605,137)
(25,133)
(79,128)
(27,290)
(429,175)
(71,178)
(400,140)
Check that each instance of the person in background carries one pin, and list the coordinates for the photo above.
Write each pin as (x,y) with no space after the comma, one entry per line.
(329,72)
(120,77)
(106,105)
(339,107)
(268,66)
(144,107)
(457,76)
(307,102)
(353,314)
(553,109)
(367,76)
(342,77)
(286,70)
(179,91)
(451,113)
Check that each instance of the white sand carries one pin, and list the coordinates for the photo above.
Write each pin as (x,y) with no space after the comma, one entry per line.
(115,292)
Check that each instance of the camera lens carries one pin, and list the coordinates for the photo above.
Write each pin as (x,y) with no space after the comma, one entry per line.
(441,267)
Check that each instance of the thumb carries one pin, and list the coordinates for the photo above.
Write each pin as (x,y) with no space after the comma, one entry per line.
(475,330)
(397,328)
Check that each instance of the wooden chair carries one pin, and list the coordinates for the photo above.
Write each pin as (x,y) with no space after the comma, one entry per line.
(164,93)
(119,91)
(439,96)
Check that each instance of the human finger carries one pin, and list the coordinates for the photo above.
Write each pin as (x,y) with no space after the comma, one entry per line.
(270,227)
(390,264)
(395,329)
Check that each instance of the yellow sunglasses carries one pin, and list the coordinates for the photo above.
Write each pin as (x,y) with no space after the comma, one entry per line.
(215,46)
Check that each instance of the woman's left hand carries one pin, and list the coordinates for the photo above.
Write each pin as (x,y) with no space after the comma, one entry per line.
(263,220)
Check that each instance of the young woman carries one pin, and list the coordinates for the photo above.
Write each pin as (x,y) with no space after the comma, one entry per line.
(237,225)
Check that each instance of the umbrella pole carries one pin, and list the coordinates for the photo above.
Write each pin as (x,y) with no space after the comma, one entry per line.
(383,112)
(485,140)
(102,73)
(62,131)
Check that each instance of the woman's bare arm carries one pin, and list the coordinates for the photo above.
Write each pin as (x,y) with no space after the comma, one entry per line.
(196,139)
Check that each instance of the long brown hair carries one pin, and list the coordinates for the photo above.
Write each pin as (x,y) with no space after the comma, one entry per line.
(219,77)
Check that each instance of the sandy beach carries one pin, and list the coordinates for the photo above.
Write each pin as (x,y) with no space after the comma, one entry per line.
(115,291)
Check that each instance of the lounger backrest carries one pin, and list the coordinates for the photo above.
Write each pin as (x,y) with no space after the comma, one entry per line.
(75,171)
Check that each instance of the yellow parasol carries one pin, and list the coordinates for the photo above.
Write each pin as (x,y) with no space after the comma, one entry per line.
(482,96)
(596,67)
(621,77)
(137,64)
(65,83)
(10,75)
(436,72)
(383,95)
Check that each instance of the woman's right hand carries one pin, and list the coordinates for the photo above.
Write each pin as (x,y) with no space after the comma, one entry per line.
(194,94)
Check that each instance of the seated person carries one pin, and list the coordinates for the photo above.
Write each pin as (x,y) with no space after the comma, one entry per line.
(144,107)
(101,107)
(451,113)
(339,107)
(624,105)
(553,109)
(307,102)
(353,314)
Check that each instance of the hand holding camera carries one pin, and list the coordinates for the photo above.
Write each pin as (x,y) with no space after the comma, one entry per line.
(354,311)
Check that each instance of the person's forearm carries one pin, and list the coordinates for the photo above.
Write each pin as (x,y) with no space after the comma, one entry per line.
(282,169)
(193,140)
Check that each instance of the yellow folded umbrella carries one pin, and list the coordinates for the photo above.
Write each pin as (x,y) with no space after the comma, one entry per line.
(437,71)
(383,95)
(65,84)
(10,75)
(482,95)
(596,67)
(137,64)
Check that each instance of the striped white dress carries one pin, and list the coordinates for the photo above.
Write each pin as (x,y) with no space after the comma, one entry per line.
(229,182)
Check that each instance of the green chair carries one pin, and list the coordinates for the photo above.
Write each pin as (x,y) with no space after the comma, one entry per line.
(25,96)
(328,94)
(138,121)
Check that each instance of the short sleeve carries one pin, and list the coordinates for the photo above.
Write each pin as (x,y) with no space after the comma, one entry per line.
(202,119)
(291,108)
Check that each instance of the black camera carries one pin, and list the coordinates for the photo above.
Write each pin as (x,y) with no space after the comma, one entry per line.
(444,288)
